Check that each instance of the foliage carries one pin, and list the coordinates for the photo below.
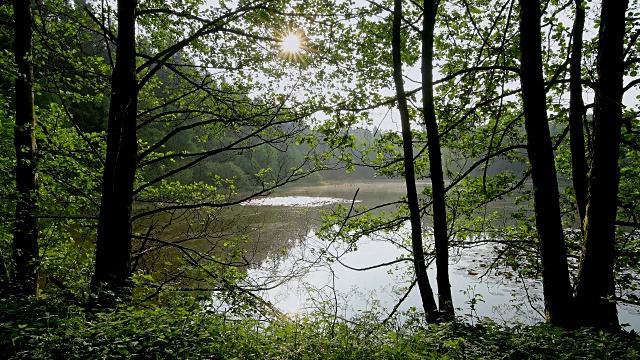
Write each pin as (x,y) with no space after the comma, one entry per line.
(181,329)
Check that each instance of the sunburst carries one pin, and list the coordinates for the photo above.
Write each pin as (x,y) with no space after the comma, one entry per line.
(293,45)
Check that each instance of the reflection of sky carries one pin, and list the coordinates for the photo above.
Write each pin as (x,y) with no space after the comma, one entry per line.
(357,289)
(499,297)
(295,201)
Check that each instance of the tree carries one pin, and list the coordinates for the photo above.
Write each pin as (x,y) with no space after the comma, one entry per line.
(557,289)
(371,59)
(596,282)
(113,243)
(440,228)
(169,95)
(482,133)
(25,234)
(66,157)
(576,114)
(426,293)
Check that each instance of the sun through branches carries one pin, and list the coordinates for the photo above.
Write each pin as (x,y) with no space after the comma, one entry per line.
(293,44)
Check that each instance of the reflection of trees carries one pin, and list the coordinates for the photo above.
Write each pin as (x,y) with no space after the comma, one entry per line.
(384,218)
(214,248)
(275,230)
(265,247)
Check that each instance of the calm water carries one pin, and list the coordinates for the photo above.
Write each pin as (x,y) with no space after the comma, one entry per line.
(306,282)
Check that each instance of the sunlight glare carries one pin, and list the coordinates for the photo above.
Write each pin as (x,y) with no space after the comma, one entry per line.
(291,43)
(294,45)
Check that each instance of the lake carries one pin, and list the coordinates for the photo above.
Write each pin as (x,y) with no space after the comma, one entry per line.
(300,280)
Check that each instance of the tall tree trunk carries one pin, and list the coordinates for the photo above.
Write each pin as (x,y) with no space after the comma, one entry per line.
(596,282)
(576,112)
(25,231)
(445,301)
(4,278)
(113,248)
(426,293)
(556,284)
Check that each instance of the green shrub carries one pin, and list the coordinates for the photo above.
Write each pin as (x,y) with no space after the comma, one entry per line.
(182,329)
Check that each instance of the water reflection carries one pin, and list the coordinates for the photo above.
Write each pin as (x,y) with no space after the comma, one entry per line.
(296,201)
(477,291)
(345,283)
(325,274)
(291,267)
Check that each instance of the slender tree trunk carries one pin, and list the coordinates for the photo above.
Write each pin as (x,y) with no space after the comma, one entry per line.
(4,278)
(556,284)
(576,112)
(596,281)
(25,232)
(426,293)
(445,300)
(113,248)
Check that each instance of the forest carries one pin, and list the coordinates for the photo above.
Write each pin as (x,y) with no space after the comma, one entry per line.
(138,137)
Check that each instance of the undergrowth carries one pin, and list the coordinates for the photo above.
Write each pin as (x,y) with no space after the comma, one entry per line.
(183,329)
